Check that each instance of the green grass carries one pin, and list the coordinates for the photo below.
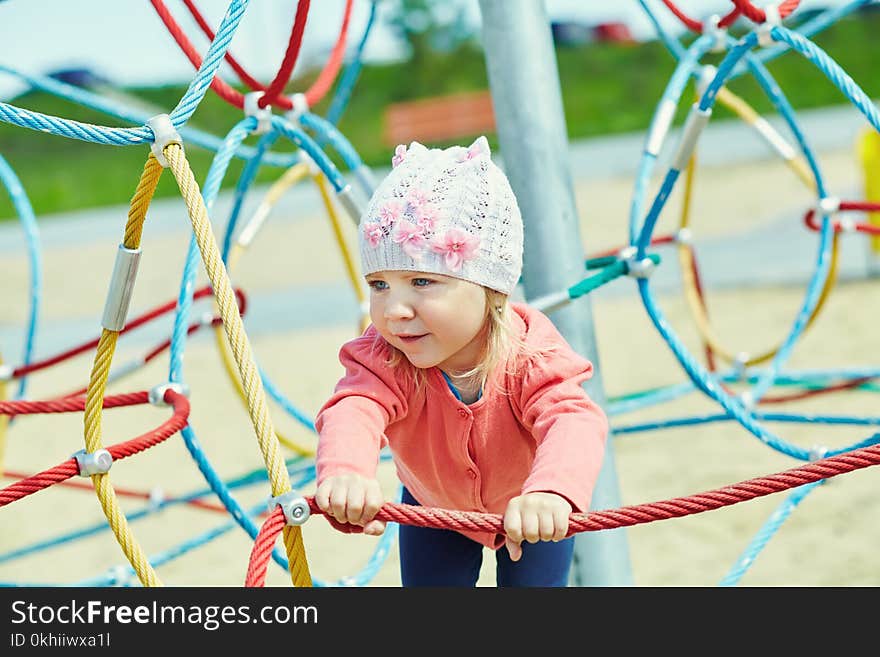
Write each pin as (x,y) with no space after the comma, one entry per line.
(606,89)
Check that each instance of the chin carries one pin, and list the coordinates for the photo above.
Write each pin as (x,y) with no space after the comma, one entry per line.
(421,363)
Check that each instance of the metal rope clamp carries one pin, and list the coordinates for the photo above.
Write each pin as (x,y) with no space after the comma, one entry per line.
(164,133)
(262,114)
(295,508)
(719,34)
(636,268)
(92,463)
(771,19)
(6,372)
(157,393)
(300,107)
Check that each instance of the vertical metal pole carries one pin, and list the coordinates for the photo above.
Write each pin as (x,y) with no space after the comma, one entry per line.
(527,100)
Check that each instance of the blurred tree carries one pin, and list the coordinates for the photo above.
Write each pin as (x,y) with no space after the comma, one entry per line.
(428,26)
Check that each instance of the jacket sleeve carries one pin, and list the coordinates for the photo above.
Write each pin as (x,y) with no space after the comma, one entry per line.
(351,424)
(569,428)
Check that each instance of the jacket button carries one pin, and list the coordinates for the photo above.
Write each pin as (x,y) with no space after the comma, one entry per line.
(462,412)
(473,474)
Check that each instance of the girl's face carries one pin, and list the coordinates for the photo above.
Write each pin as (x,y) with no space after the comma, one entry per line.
(435,320)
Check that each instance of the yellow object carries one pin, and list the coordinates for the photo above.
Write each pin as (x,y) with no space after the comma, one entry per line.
(239,344)
(869,154)
(292,176)
(685,253)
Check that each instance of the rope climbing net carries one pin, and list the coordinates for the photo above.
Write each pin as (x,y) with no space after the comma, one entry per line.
(272,115)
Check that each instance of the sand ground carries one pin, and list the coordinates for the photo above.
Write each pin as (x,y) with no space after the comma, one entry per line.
(830,539)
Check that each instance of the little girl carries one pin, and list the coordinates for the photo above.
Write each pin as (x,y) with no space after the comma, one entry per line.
(479,399)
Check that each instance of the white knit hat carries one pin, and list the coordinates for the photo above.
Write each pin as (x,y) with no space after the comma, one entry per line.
(448,211)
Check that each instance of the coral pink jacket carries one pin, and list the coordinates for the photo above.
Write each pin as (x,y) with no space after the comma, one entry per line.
(545,434)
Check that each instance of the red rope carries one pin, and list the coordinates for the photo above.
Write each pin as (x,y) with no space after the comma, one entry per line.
(273,91)
(626,516)
(860,226)
(69,468)
(122,492)
(70,404)
(758,15)
(262,550)
(137,322)
(642,513)
(696,26)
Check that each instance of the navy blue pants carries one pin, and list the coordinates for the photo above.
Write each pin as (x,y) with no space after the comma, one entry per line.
(443,557)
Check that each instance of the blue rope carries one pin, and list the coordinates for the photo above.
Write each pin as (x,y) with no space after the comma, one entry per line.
(32,234)
(88,99)
(759,542)
(350,75)
(130,136)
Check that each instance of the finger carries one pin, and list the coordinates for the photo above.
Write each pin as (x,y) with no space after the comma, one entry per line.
(531,527)
(513,549)
(513,524)
(546,526)
(560,522)
(374,527)
(322,495)
(354,507)
(374,501)
(338,500)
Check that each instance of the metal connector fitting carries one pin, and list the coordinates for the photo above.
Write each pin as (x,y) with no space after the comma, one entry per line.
(847,225)
(636,268)
(6,371)
(684,236)
(122,280)
(164,133)
(771,20)
(295,508)
(711,28)
(157,393)
(263,115)
(739,364)
(300,107)
(92,463)
(818,452)
(828,205)
(747,400)
(346,197)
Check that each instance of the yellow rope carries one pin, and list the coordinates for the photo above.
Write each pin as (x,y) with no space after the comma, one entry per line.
(697,305)
(98,386)
(241,349)
(797,163)
(291,177)
(353,276)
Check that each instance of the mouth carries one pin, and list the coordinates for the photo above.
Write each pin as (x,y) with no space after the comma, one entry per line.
(409,339)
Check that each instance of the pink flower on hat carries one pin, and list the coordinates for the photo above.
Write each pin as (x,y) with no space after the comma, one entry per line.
(390,212)
(411,239)
(373,232)
(399,154)
(417,198)
(457,246)
(426,218)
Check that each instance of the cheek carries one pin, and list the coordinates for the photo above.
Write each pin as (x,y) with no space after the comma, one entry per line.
(376,312)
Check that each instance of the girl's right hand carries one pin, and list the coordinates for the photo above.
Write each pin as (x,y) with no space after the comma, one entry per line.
(352,498)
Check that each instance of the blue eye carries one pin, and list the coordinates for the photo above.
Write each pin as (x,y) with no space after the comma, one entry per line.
(422,282)
(378,286)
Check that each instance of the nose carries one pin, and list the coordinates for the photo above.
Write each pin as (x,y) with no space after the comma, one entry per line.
(397,306)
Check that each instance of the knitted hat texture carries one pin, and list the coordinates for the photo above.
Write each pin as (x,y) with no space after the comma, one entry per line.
(445,211)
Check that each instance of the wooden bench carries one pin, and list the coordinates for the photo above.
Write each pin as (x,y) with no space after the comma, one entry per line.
(439,119)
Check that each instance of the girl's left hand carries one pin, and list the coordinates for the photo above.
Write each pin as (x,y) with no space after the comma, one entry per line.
(535,517)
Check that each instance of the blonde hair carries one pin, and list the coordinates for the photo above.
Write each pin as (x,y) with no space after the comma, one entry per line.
(502,346)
